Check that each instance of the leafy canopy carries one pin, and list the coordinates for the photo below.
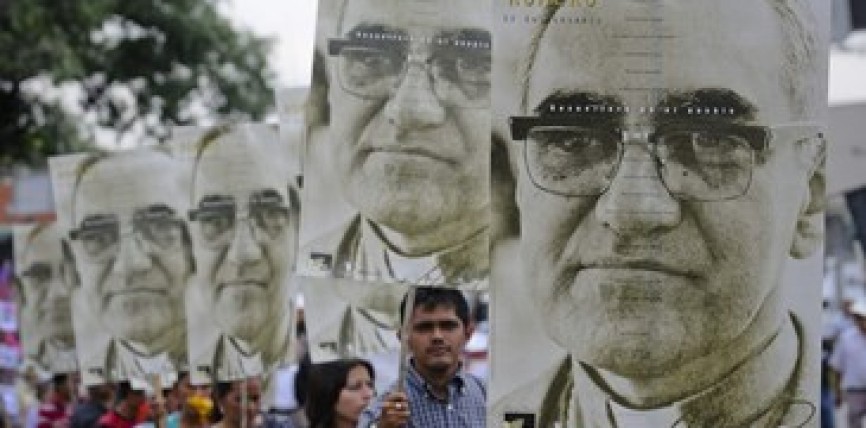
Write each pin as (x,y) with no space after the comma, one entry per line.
(122,72)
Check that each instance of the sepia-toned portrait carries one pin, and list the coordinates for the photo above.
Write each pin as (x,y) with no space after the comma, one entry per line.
(44,279)
(671,196)
(123,213)
(243,222)
(397,185)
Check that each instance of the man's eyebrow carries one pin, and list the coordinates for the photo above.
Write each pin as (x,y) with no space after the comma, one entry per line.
(706,104)
(156,209)
(267,193)
(564,101)
(466,34)
(35,265)
(365,31)
(215,200)
(98,220)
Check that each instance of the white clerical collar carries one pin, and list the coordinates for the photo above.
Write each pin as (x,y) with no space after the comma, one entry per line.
(758,390)
(239,360)
(667,416)
(422,270)
(133,363)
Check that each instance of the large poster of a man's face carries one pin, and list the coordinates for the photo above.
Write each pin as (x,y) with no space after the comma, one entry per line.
(45,277)
(123,213)
(244,220)
(671,173)
(405,158)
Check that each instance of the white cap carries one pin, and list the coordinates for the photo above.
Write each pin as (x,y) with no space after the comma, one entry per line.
(859,308)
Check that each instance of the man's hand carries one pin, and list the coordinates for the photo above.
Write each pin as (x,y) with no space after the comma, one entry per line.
(395,411)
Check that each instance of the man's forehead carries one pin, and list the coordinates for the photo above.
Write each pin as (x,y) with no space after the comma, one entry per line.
(124,184)
(44,246)
(438,312)
(237,168)
(426,15)
(640,53)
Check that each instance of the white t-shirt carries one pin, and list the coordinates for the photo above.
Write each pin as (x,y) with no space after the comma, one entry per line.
(849,358)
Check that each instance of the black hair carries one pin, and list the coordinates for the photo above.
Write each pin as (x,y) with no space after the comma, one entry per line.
(326,381)
(302,379)
(59,380)
(220,390)
(429,298)
(123,391)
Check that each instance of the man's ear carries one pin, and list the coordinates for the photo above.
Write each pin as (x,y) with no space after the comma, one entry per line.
(809,231)
(470,328)
(20,299)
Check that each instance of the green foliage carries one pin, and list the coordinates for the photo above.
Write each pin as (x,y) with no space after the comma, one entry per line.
(131,66)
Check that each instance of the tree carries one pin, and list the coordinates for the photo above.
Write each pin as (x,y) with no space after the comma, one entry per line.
(124,71)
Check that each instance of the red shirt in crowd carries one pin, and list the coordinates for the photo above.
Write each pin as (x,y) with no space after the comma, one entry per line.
(54,412)
(112,419)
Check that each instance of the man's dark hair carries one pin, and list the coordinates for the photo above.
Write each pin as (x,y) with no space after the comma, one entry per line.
(124,390)
(59,380)
(428,298)
(302,379)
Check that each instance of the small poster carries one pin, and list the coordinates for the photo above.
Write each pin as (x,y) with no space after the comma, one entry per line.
(44,281)
(243,226)
(123,215)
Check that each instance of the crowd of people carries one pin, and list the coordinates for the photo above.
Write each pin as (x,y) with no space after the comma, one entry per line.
(843,380)
(436,391)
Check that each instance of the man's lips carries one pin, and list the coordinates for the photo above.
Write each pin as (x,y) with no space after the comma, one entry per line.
(640,264)
(409,151)
(242,284)
(438,350)
(135,291)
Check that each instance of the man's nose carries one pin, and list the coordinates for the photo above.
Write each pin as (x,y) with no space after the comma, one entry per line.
(438,333)
(415,104)
(58,289)
(637,200)
(368,392)
(131,257)
(244,248)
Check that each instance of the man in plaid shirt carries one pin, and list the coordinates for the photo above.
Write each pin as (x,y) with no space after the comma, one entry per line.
(437,392)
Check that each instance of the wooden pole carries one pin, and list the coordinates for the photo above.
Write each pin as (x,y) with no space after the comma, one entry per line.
(405,328)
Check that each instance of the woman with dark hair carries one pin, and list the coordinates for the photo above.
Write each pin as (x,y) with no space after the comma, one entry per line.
(338,391)
(230,409)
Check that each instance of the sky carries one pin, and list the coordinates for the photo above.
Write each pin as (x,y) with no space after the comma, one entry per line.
(291,23)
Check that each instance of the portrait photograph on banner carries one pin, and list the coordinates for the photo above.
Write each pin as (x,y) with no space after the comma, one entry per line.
(123,216)
(397,158)
(44,281)
(243,217)
(670,164)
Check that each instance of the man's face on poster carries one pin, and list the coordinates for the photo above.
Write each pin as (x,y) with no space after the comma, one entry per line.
(244,233)
(654,237)
(46,279)
(410,110)
(129,245)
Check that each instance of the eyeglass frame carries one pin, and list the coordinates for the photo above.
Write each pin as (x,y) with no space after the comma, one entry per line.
(194,216)
(61,273)
(521,126)
(145,245)
(337,44)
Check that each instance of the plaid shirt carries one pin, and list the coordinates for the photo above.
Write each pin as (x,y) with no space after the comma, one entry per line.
(465,407)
